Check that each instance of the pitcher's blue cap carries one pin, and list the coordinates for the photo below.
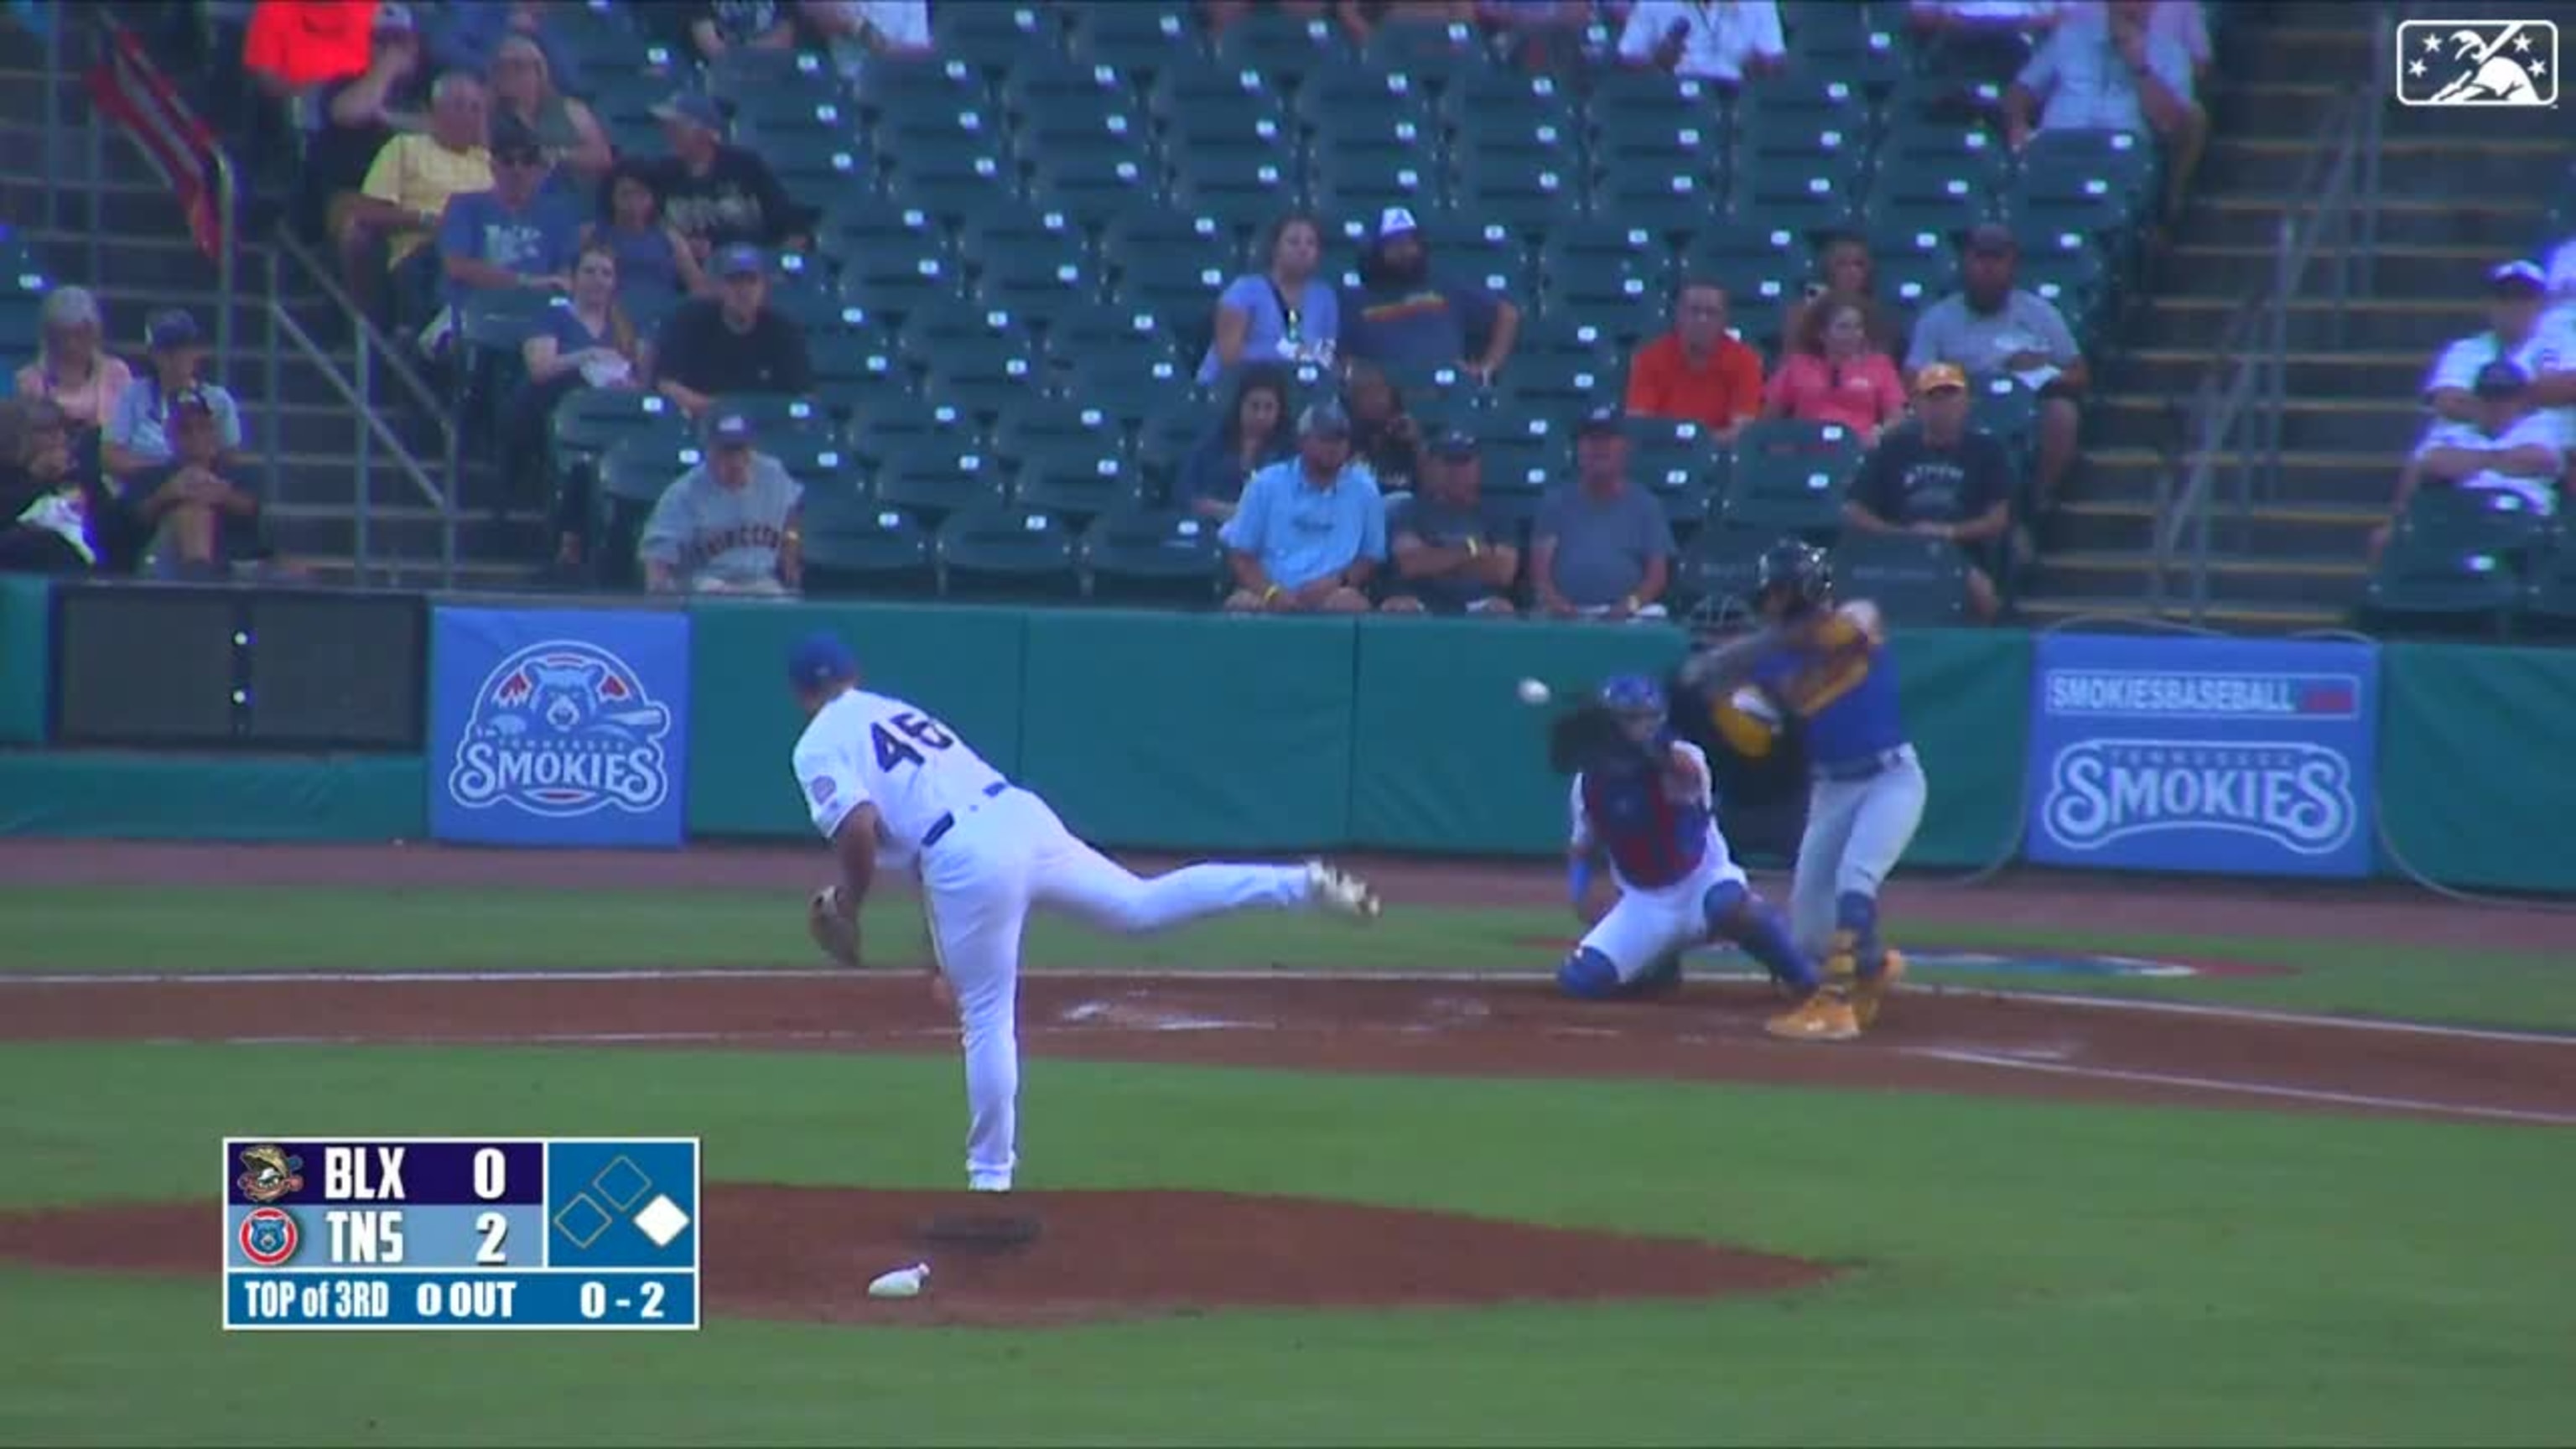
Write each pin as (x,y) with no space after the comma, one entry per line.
(818,659)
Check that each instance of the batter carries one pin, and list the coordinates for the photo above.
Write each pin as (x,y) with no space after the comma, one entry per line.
(888,783)
(1829,667)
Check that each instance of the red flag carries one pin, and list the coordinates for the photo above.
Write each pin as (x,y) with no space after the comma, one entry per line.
(128,89)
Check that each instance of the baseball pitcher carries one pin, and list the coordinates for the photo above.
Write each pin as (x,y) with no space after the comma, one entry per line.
(1642,799)
(887,783)
(1828,667)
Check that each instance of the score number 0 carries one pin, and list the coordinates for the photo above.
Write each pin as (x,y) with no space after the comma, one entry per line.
(491,1181)
(594,1299)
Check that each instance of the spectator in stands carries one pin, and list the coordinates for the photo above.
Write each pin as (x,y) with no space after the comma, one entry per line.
(1383,435)
(1831,374)
(1721,40)
(1939,476)
(511,237)
(73,369)
(1408,317)
(1286,311)
(199,511)
(355,117)
(2510,446)
(856,30)
(1991,328)
(1453,555)
(1361,19)
(1311,531)
(56,517)
(1252,436)
(138,430)
(1696,372)
(524,91)
(1537,34)
(1602,548)
(2105,68)
(2185,24)
(389,227)
(1845,272)
(587,343)
(2519,331)
(653,259)
(1983,37)
(717,26)
(719,195)
(731,342)
(470,35)
(728,525)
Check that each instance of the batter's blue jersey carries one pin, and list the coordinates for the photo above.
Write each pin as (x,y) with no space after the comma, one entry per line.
(1840,679)
(1653,824)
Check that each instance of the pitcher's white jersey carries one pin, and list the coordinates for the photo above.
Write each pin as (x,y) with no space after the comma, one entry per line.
(866,747)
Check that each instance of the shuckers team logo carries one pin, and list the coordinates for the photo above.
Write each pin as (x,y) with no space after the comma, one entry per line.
(2296,795)
(268,1236)
(2465,63)
(562,729)
(269,1172)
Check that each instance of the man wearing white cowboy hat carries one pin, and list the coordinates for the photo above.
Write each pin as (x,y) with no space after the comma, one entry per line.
(1406,317)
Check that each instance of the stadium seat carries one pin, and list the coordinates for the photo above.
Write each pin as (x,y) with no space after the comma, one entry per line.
(1942,154)
(896,424)
(1242,191)
(985,376)
(892,280)
(897,86)
(1916,582)
(1033,263)
(1284,47)
(1079,483)
(852,358)
(1166,435)
(2093,203)
(1525,456)
(1673,207)
(1554,384)
(2476,520)
(933,477)
(866,552)
(588,423)
(1498,101)
(817,458)
(2126,159)
(1141,555)
(1136,37)
(2547,607)
(1111,337)
(861,221)
(1364,102)
(1839,139)
(1715,574)
(997,39)
(2434,587)
(1644,101)
(773,413)
(1004,551)
(1219,107)
(1481,250)
(1359,186)
(1523,194)
(1038,426)
(2003,407)
(1807,196)
(768,112)
(1433,54)
(632,477)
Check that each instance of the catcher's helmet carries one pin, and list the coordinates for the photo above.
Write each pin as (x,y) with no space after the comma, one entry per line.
(1797,571)
(1632,694)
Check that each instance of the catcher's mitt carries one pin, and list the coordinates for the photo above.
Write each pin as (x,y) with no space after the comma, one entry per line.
(1589,738)
(833,928)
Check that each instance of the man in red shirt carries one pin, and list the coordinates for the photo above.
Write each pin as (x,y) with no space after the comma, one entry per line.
(1696,372)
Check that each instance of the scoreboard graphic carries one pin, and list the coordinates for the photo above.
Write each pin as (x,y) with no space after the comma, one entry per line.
(461,1233)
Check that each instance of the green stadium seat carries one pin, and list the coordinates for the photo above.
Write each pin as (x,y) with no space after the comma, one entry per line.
(2547,607)
(1365,185)
(1716,573)
(1946,150)
(776,413)
(1142,555)
(985,376)
(1482,250)
(1039,426)
(1030,262)
(1501,101)
(632,477)
(894,425)
(1673,206)
(1218,105)
(1284,47)
(1241,190)
(853,358)
(1651,146)
(889,88)
(816,163)
(1006,552)
(1817,138)
(1079,483)
(2008,410)
(997,39)
(1436,54)
(2126,159)
(1559,383)
(866,552)
(2477,520)
(1580,256)
(891,281)
(1935,98)
(1807,196)
(817,459)
(1523,194)
(1527,455)
(1643,101)
(1136,37)
(1166,434)
(1366,103)
(1786,493)
(1115,336)
(2434,587)
(861,222)
(769,110)
(1915,582)
(589,422)
(933,477)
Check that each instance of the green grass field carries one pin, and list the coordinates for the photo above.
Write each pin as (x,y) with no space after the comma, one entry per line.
(2018,1272)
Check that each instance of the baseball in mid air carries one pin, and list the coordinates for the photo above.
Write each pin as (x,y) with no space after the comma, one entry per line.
(1532,692)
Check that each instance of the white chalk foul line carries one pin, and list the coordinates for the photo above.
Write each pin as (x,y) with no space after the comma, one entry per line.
(2250,1089)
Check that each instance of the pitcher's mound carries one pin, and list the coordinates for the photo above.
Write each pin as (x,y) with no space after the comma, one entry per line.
(808,1253)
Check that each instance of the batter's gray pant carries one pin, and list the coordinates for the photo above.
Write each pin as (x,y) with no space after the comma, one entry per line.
(1857,829)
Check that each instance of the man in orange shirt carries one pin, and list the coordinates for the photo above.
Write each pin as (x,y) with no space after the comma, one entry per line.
(1696,372)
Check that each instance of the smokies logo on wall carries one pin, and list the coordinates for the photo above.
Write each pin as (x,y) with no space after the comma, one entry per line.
(563,728)
(2297,796)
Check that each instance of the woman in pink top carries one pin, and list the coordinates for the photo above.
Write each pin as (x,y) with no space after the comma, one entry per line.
(1832,375)
(70,367)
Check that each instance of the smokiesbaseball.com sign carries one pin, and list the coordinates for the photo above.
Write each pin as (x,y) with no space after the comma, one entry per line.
(2248,757)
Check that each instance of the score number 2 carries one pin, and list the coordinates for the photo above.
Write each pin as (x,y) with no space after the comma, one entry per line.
(896,746)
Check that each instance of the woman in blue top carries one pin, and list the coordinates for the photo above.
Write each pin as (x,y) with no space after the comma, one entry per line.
(1253,435)
(651,257)
(1285,313)
(586,342)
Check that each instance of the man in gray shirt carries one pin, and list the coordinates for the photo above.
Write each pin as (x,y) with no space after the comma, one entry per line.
(1990,329)
(729,524)
(1602,548)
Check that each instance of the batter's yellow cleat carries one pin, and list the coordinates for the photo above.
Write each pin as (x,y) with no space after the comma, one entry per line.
(1823,1016)
(1870,992)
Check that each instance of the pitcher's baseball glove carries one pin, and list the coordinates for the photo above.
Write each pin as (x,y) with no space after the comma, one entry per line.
(833,928)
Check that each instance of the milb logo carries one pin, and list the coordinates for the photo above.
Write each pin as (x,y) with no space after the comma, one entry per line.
(2296,795)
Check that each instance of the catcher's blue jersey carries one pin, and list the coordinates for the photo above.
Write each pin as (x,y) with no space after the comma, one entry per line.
(1838,678)
(1654,824)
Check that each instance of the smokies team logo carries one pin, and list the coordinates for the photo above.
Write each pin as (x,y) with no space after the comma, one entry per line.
(268,1236)
(2297,795)
(563,728)
(269,1172)
(2477,63)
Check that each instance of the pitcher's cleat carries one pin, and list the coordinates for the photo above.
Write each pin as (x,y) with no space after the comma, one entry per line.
(1823,1016)
(1338,890)
(1870,992)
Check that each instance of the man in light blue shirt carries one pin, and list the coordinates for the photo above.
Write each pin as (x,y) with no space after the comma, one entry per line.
(1310,531)
(2105,68)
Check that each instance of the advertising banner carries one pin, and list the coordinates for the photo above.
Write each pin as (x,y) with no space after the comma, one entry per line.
(2226,756)
(558,727)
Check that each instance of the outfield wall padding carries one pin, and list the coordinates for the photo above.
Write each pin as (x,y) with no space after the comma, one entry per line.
(26,658)
(117,795)
(2477,780)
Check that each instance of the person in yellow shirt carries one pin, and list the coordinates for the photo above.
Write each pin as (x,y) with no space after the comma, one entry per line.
(388,225)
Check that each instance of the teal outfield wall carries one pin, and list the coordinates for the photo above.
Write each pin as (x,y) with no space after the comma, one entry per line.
(114,795)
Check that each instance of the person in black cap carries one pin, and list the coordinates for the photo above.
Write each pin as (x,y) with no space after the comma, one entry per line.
(1453,554)
(2511,448)
(717,194)
(2520,330)
(731,342)
(1602,548)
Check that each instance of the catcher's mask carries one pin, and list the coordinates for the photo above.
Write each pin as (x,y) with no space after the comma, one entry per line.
(1637,701)
(1793,577)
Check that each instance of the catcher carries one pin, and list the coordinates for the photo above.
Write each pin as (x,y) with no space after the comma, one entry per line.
(1643,799)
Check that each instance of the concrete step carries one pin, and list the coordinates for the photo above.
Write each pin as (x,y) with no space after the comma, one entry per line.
(2374,324)
(2306,479)
(2283,52)
(2348,423)
(2234,270)
(2272,108)
(2120,525)
(2177,372)
(2428,165)
(2509,222)
(2256,578)
(2231,615)
(406,532)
